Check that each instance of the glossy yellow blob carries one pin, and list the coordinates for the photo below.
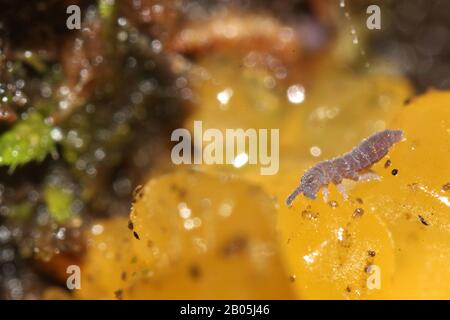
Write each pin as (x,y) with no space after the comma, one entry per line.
(413,203)
(231,94)
(238,92)
(331,248)
(404,228)
(340,110)
(109,262)
(199,236)
(210,235)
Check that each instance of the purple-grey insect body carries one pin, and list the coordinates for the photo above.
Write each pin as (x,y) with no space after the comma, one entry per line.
(348,166)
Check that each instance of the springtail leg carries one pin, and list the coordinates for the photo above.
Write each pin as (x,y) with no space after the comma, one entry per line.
(293,195)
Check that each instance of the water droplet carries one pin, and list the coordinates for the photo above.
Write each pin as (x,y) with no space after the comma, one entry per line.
(156,46)
(122,36)
(184,211)
(225,209)
(122,21)
(189,224)
(61,234)
(224,96)
(315,151)
(97,229)
(240,160)
(296,94)
(56,134)
(99,154)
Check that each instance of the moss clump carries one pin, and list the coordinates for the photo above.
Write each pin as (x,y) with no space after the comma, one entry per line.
(29,140)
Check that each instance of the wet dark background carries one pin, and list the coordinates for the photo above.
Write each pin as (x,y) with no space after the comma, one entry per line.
(418,40)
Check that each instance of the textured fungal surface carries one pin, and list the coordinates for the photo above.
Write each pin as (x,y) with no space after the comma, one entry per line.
(191,234)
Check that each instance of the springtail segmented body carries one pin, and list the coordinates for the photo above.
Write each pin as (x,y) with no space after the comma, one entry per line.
(348,166)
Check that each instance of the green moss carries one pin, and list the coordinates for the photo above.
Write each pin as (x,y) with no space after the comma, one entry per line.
(106,8)
(35,62)
(20,212)
(28,140)
(59,202)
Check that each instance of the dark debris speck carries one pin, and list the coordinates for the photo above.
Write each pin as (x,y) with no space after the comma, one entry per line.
(310,215)
(407,101)
(118,294)
(195,271)
(423,221)
(235,245)
(388,163)
(179,190)
(358,212)
(333,204)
